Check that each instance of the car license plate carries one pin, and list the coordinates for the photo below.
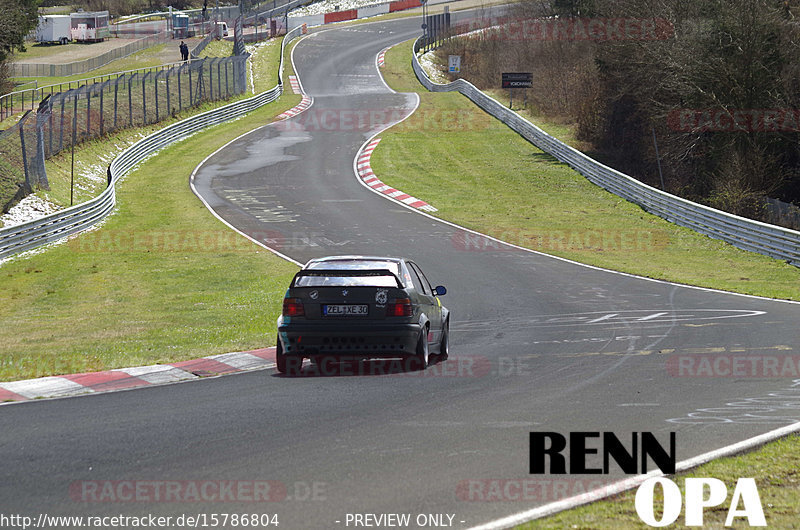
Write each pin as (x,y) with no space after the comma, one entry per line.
(345,310)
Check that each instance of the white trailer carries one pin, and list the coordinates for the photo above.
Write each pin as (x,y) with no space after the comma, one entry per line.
(89,26)
(53,28)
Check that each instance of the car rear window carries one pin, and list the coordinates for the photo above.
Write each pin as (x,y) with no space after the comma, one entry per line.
(357,265)
(345,281)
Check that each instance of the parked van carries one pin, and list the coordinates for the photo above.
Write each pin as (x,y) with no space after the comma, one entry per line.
(222,30)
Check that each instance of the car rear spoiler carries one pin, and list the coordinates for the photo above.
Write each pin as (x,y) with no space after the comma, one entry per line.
(346,273)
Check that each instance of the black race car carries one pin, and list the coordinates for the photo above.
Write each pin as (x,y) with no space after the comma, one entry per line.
(361,307)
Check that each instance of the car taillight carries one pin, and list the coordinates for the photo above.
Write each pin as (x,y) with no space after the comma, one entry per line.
(293,307)
(401,307)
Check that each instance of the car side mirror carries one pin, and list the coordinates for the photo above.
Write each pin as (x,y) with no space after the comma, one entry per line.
(440,290)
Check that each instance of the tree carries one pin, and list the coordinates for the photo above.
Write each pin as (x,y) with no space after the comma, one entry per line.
(729,55)
(19,18)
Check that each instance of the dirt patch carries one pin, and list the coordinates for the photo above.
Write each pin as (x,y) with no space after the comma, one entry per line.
(69,53)
(79,52)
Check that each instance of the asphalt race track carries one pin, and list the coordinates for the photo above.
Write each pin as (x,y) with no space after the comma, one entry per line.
(538,344)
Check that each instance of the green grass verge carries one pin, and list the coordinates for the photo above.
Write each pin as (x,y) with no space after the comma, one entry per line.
(774,467)
(482,175)
(161,280)
(218,48)
(266,54)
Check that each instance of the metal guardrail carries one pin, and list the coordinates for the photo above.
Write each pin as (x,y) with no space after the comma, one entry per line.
(747,234)
(56,226)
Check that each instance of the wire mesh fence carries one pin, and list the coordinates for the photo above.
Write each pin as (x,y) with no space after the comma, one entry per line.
(21,160)
(137,99)
(238,37)
(17,102)
(91,111)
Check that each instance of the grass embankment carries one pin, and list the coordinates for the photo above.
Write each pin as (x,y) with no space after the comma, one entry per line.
(484,176)
(161,280)
(480,174)
(218,48)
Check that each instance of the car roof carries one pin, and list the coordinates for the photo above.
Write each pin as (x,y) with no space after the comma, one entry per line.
(353,258)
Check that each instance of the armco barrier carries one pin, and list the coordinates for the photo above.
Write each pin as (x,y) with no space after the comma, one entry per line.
(54,227)
(401,5)
(341,16)
(746,234)
(353,14)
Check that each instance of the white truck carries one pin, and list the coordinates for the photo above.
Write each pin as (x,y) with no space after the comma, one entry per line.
(54,29)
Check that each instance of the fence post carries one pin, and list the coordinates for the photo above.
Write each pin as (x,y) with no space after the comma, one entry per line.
(180,94)
(116,100)
(243,76)
(61,125)
(43,116)
(169,107)
(130,100)
(211,79)
(155,86)
(144,98)
(88,109)
(102,90)
(50,127)
(24,153)
(200,91)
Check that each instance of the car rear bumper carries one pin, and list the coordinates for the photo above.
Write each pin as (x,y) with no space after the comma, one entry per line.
(353,340)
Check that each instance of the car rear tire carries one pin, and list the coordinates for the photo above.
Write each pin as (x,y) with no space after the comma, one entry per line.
(285,364)
(444,344)
(422,358)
